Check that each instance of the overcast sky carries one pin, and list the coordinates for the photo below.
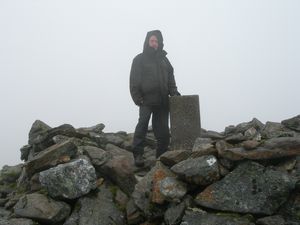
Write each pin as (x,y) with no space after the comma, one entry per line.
(68,61)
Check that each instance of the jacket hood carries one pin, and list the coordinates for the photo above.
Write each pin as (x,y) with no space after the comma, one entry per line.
(159,36)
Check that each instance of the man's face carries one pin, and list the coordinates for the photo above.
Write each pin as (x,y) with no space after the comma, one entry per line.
(153,42)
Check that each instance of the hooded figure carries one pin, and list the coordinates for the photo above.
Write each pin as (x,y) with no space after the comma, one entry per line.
(151,83)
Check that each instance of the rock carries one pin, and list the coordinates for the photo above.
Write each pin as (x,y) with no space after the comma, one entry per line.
(273,130)
(203,146)
(45,139)
(252,133)
(97,209)
(143,195)
(290,210)
(273,148)
(235,138)
(9,174)
(174,214)
(121,198)
(200,218)
(25,152)
(94,129)
(171,158)
(159,175)
(119,168)
(37,128)
(200,171)
(133,214)
(70,180)
(292,123)
(41,208)
(51,157)
(98,156)
(243,127)
(21,221)
(114,139)
(4,213)
(250,188)
(271,220)
(250,144)
(211,134)
(172,189)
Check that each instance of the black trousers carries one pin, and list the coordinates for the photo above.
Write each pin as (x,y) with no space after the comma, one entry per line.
(160,120)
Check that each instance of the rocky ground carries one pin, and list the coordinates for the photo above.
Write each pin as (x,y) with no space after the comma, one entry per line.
(249,174)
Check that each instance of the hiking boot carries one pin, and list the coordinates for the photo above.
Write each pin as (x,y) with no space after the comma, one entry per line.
(139,161)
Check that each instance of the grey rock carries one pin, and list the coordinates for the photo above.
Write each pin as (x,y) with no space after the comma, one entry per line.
(41,208)
(37,128)
(171,158)
(243,127)
(235,138)
(98,156)
(211,134)
(290,210)
(199,218)
(4,213)
(70,180)
(172,189)
(273,130)
(9,174)
(51,157)
(94,129)
(174,214)
(133,214)
(97,209)
(21,221)
(271,220)
(270,149)
(251,133)
(250,188)
(203,146)
(200,171)
(143,195)
(119,168)
(114,139)
(292,123)
(25,152)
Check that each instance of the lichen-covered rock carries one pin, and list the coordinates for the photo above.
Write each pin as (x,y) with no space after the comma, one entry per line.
(172,189)
(41,208)
(200,171)
(250,188)
(174,214)
(10,174)
(70,180)
(98,156)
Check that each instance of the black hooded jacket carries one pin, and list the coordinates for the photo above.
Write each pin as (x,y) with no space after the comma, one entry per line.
(152,75)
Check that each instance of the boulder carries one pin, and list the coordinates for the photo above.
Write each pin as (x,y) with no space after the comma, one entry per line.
(200,171)
(70,180)
(250,188)
(41,208)
(172,189)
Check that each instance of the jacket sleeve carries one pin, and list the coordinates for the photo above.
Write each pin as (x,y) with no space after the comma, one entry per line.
(135,80)
(171,80)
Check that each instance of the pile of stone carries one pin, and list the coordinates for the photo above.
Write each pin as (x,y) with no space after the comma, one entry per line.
(249,174)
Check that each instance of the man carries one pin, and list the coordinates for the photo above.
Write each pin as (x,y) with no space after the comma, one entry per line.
(151,83)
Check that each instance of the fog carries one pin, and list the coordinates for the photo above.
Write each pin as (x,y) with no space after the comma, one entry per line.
(64,61)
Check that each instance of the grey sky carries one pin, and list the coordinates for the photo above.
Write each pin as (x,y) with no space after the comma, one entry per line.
(66,61)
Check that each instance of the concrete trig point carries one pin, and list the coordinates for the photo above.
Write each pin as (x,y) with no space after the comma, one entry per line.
(185,121)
